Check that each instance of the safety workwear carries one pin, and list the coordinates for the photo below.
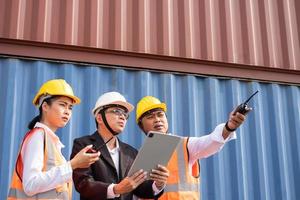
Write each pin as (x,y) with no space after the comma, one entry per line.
(55,87)
(52,158)
(111,98)
(148,103)
(182,183)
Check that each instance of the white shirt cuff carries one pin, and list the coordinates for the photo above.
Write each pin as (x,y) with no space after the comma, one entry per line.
(216,135)
(69,169)
(66,171)
(156,190)
(110,192)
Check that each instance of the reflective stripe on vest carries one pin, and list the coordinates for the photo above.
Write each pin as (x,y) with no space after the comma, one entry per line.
(55,158)
(182,185)
(52,158)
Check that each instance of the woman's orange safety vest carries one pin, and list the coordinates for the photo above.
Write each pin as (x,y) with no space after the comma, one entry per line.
(182,184)
(52,158)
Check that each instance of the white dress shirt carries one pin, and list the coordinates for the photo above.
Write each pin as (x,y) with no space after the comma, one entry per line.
(34,179)
(202,147)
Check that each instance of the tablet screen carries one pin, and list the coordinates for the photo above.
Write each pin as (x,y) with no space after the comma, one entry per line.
(157,149)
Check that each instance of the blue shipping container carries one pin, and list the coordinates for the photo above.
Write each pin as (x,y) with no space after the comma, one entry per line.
(263,163)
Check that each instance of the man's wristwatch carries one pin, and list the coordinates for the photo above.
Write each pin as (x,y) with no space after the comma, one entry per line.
(227,127)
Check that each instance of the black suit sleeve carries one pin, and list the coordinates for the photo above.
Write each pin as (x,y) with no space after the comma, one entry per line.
(84,181)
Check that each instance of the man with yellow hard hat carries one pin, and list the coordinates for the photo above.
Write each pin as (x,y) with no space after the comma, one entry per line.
(184,168)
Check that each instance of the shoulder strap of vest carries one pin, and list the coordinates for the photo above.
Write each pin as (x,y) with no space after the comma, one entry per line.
(186,146)
(196,165)
(19,162)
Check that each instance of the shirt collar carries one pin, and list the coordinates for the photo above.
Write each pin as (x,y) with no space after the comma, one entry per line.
(50,132)
(116,149)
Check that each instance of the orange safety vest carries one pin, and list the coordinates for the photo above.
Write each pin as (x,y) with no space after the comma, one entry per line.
(52,158)
(182,184)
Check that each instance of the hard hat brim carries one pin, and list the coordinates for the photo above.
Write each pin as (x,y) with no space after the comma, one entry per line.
(127,105)
(75,99)
(162,106)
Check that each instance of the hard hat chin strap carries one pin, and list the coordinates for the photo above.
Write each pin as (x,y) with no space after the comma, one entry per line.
(106,123)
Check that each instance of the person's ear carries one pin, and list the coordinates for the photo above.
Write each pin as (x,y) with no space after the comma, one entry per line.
(45,106)
(141,126)
(99,118)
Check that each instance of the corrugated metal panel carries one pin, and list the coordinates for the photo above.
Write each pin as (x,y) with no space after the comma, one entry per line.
(255,32)
(263,163)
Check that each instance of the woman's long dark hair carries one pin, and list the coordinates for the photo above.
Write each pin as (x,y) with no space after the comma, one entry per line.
(39,117)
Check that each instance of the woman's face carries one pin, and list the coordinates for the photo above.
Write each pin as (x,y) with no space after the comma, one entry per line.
(58,113)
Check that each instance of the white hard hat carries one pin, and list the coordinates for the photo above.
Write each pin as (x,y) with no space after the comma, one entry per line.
(111,98)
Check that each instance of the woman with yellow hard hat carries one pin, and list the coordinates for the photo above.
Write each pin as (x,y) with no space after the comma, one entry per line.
(41,171)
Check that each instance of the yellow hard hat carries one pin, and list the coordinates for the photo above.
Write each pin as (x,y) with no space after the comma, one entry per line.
(148,103)
(55,87)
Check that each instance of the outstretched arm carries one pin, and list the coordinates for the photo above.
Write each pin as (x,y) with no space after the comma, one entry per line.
(202,147)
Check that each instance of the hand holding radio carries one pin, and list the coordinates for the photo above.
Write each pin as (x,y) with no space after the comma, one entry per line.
(236,120)
(243,108)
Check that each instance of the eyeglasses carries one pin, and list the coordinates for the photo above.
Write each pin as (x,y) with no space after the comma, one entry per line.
(119,112)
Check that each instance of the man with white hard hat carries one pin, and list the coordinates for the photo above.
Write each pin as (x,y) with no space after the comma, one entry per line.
(107,178)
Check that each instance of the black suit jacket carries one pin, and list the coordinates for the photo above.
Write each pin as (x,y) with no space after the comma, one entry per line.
(92,182)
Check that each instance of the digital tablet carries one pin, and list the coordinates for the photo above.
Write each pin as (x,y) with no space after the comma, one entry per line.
(157,149)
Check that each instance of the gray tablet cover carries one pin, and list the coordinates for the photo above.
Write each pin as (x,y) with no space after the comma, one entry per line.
(157,149)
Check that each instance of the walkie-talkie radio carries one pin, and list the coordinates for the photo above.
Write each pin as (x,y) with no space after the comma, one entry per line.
(243,108)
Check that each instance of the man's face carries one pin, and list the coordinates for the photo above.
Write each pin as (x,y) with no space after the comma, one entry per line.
(116,118)
(155,121)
